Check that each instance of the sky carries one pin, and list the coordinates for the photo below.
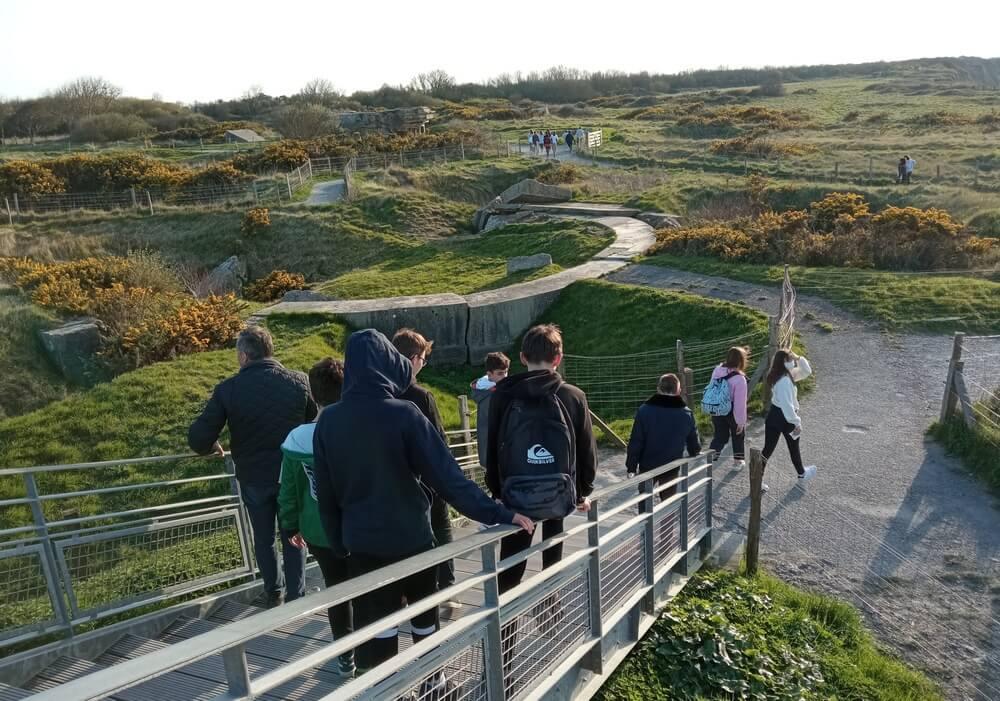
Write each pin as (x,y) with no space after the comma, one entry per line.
(188,51)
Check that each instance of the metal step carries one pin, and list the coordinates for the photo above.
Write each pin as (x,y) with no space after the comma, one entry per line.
(315,627)
(12,693)
(62,670)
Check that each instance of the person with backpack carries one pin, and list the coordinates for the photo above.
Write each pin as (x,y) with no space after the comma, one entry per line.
(541,457)
(375,454)
(783,418)
(663,428)
(298,510)
(417,350)
(725,401)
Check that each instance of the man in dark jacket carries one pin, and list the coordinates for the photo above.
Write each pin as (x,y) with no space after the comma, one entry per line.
(373,452)
(414,347)
(261,404)
(541,353)
(663,427)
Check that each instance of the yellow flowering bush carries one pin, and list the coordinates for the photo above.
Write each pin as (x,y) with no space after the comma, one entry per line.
(838,210)
(256,220)
(274,285)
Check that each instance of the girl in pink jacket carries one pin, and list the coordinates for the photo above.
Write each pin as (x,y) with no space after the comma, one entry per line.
(733,425)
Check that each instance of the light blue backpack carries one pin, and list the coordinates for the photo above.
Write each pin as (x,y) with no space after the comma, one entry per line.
(717,400)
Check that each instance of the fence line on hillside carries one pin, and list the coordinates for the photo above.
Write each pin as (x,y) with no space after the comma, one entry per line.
(972,390)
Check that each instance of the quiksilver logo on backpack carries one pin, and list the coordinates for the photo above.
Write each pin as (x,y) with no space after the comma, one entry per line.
(537,455)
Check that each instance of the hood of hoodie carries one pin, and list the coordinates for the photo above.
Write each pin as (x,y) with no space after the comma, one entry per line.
(299,443)
(373,368)
(536,383)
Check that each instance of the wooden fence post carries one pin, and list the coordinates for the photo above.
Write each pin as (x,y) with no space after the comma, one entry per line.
(961,394)
(10,217)
(869,167)
(938,177)
(135,202)
(461,147)
(773,333)
(149,201)
(836,170)
(400,156)
(948,403)
(463,415)
(17,205)
(688,380)
(753,525)
(288,185)
(615,438)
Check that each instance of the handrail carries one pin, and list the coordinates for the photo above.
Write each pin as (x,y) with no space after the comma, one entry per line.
(8,471)
(231,636)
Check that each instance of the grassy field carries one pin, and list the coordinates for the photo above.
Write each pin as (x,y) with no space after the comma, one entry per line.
(27,379)
(924,301)
(473,265)
(727,637)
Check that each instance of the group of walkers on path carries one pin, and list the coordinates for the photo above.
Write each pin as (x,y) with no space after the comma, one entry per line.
(549,140)
(351,463)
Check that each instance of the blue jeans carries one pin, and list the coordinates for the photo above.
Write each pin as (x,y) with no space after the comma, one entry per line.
(261,502)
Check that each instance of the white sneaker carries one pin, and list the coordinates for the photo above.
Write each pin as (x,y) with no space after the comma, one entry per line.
(453,604)
(764,487)
(739,464)
(809,473)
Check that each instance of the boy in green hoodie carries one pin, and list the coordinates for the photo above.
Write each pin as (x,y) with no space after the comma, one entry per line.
(298,510)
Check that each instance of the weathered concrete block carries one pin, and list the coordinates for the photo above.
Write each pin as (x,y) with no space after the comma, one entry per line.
(497,318)
(519,263)
(306,296)
(73,347)
(660,220)
(228,276)
(532,191)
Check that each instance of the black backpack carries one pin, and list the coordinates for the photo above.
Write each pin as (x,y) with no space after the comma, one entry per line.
(537,457)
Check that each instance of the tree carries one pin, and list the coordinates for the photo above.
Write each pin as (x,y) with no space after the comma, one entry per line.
(305,121)
(87,96)
(253,101)
(319,91)
(771,85)
(34,117)
(437,83)
(7,109)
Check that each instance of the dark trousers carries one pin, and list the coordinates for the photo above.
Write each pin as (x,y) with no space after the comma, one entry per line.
(261,502)
(334,571)
(725,429)
(441,525)
(776,426)
(376,604)
(668,476)
(520,541)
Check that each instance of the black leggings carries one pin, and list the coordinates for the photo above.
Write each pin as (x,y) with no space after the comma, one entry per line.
(776,426)
(334,571)
(725,428)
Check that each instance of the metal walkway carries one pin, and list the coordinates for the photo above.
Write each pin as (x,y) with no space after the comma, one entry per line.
(556,636)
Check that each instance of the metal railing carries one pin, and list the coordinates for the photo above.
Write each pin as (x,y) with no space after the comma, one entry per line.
(125,536)
(560,631)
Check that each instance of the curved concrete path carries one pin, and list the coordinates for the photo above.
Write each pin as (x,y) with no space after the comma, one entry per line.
(326,192)
(466,326)
(891,522)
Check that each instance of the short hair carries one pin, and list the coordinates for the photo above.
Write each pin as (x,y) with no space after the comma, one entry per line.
(326,380)
(736,358)
(255,343)
(497,361)
(410,343)
(668,384)
(542,344)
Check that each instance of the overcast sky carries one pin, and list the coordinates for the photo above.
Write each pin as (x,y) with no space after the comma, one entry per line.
(187,51)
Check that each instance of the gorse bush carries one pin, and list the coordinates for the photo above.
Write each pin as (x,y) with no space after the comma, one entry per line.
(274,286)
(837,230)
(256,220)
(28,178)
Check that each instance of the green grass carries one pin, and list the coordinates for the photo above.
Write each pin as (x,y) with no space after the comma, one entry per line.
(471,265)
(979,448)
(27,378)
(725,637)
(940,303)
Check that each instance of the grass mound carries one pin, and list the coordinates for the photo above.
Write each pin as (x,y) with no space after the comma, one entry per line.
(727,637)
(27,379)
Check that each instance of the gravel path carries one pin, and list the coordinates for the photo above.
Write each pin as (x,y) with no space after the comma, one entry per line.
(891,522)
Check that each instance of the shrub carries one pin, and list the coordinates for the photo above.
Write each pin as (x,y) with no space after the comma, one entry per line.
(256,220)
(771,86)
(274,286)
(111,126)
(851,116)
(838,208)
(281,155)
(561,174)
(216,175)
(28,178)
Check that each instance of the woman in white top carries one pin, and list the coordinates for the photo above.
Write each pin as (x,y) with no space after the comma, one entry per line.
(783,418)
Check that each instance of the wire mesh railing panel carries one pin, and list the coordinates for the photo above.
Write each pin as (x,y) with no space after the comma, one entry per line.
(461,678)
(24,592)
(542,635)
(107,569)
(666,536)
(623,571)
(697,518)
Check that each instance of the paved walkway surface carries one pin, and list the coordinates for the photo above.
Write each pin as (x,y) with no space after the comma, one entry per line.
(891,522)
(326,192)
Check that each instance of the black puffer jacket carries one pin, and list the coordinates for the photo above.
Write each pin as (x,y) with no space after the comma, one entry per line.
(261,403)
(373,451)
(663,428)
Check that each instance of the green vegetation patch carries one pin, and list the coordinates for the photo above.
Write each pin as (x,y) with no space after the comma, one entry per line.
(979,447)
(728,637)
(472,265)
(27,379)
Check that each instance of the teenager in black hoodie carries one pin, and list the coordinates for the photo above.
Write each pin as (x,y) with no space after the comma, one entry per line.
(541,353)
(372,453)
(663,428)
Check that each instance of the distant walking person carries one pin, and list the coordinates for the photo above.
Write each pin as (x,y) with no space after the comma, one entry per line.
(569,140)
(298,509)
(901,170)
(725,400)
(417,350)
(783,417)
(581,138)
(663,428)
(547,143)
(910,165)
(261,404)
